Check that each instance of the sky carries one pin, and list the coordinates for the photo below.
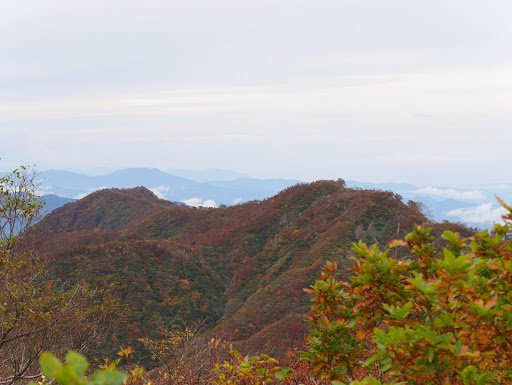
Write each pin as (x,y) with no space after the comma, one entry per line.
(381,91)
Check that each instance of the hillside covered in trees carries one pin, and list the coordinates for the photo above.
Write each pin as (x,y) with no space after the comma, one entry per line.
(242,269)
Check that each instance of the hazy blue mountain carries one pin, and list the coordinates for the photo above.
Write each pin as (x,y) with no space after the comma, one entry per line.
(133,177)
(53,201)
(502,190)
(255,188)
(446,204)
(96,171)
(60,179)
(74,185)
(208,175)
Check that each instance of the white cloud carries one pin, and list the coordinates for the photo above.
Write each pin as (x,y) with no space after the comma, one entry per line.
(84,194)
(209,203)
(196,202)
(237,200)
(484,213)
(450,193)
(81,195)
(159,191)
(193,202)
(44,190)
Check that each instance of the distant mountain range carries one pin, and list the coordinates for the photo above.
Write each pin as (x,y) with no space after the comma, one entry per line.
(52,201)
(164,185)
(476,207)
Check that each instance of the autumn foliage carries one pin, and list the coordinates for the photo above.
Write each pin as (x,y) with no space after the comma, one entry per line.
(430,309)
(433,317)
(240,268)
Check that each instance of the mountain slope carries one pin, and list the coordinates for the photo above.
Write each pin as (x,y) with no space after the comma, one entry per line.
(241,267)
(112,209)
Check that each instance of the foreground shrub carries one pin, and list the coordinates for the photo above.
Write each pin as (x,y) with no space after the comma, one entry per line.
(73,372)
(254,370)
(185,356)
(37,312)
(435,317)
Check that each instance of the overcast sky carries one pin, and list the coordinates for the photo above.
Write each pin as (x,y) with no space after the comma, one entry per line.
(378,90)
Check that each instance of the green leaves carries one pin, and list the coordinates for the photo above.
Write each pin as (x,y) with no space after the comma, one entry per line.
(419,283)
(73,372)
(399,313)
(454,265)
(471,375)
(366,381)
(78,363)
(107,378)
(453,239)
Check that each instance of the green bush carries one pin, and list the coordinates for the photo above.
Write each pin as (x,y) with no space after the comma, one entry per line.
(435,317)
(74,371)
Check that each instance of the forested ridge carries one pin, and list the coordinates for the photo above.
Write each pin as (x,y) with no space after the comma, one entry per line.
(241,268)
(156,281)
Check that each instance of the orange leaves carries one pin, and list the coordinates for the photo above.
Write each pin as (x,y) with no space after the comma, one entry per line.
(493,301)
(464,350)
(494,266)
(507,216)
(361,335)
(396,243)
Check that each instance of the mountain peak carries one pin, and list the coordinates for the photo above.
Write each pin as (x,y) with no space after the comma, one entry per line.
(139,192)
(105,209)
